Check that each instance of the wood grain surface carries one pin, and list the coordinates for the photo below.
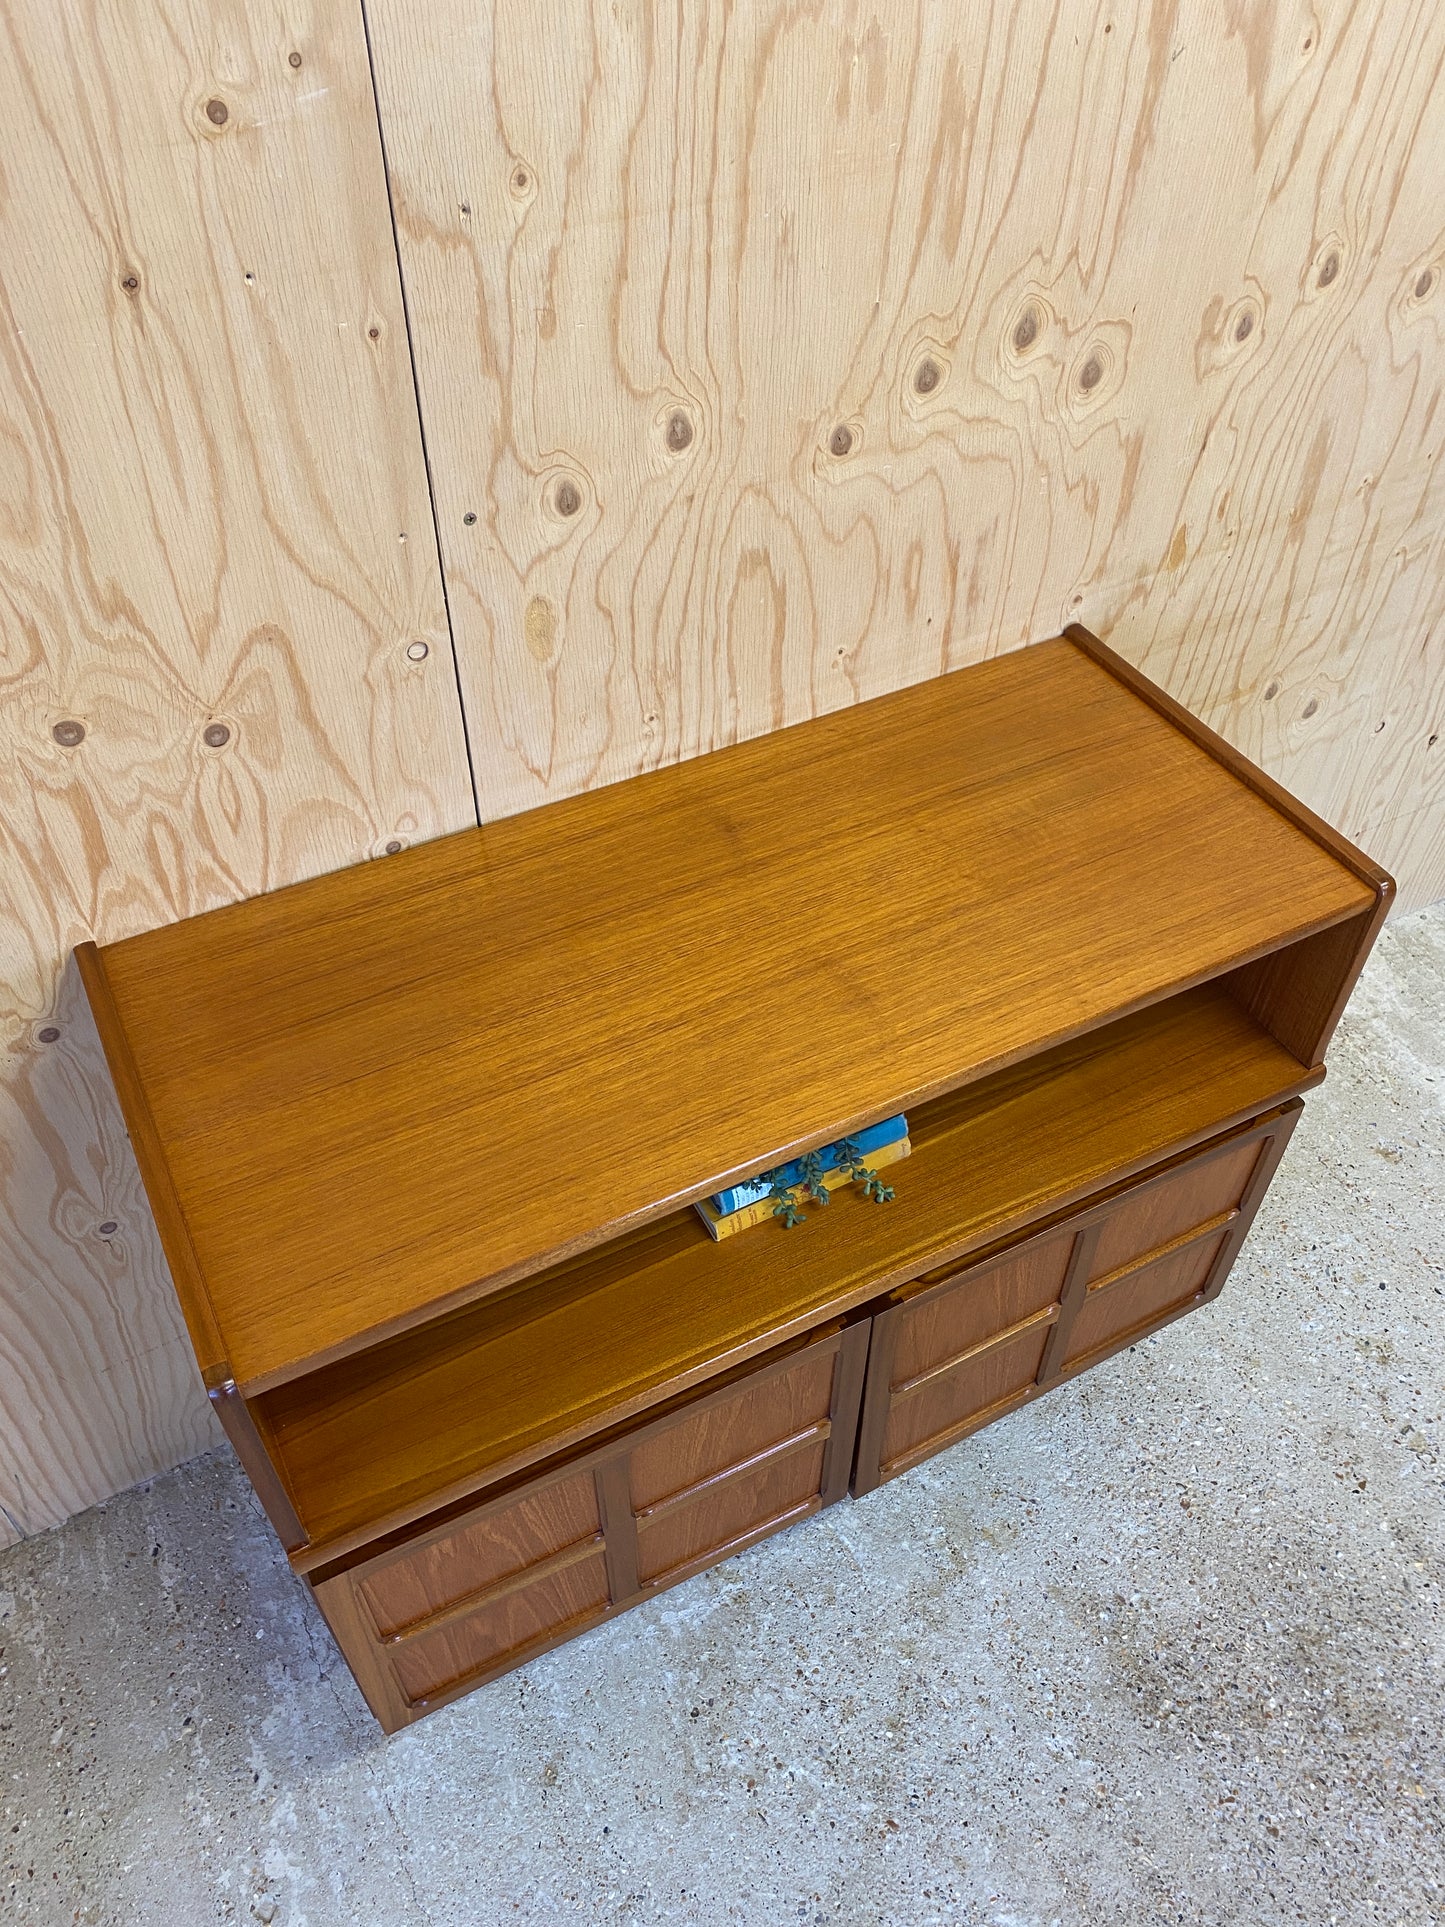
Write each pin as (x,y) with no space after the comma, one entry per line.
(774,356)
(389,1089)
(224,659)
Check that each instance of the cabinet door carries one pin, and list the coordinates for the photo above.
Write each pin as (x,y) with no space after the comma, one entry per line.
(498,1583)
(456,1605)
(959,1353)
(769,1449)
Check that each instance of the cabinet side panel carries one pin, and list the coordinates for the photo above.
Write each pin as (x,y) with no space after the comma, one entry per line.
(352,1629)
(255,1448)
(1299,993)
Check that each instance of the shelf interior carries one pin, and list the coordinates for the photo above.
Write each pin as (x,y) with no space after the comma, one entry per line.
(656,987)
(377,1440)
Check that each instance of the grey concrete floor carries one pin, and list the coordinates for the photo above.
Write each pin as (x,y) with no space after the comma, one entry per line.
(1167,1646)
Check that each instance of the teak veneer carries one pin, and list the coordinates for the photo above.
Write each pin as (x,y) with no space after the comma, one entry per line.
(422,1137)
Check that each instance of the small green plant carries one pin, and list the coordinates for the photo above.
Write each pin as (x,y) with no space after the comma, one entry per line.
(850,1159)
(785,1204)
(813,1185)
(810,1187)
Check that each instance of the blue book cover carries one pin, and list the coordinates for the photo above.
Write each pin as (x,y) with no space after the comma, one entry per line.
(871,1139)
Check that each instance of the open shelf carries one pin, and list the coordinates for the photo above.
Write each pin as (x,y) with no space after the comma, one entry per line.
(373,1442)
(347,1092)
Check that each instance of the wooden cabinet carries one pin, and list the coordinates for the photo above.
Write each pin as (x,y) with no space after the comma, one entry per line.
(422,1138)
(947,1356)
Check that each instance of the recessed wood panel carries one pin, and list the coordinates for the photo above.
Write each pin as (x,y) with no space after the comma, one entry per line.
(226,661)
(925,1420)
(933,1329)
(501,1633)
(503,1541)
(757,1499)
(1108,1314)
(1159,1213)
(727,1431)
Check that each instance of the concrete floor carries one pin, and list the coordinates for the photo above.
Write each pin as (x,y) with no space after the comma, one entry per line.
(1166,1646)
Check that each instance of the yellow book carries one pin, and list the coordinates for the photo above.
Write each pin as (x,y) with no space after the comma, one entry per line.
(724,1225)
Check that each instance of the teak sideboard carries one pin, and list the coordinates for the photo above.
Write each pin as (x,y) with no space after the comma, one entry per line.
(422,1137)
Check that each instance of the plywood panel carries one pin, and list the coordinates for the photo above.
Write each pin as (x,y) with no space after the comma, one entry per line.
(224,660)
(773,357)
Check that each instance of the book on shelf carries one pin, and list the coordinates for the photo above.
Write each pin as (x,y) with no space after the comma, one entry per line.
(722,1224)
(869,1142)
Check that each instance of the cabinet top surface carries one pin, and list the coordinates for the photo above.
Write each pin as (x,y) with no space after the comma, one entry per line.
(409,1082)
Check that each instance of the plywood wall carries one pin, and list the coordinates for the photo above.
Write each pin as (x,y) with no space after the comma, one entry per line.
(773,355)
(769,356)
(224,660)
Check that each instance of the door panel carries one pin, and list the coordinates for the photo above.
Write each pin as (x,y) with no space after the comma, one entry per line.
(945,1325)
(1155,1215)
(414,1585)
(1134,1301)
(973,1346)
(767,1451)
(727,1431)
(723,1515)
(502,1632)
(943,1406)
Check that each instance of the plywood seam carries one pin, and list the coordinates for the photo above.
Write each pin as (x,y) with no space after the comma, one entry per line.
(416,399)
